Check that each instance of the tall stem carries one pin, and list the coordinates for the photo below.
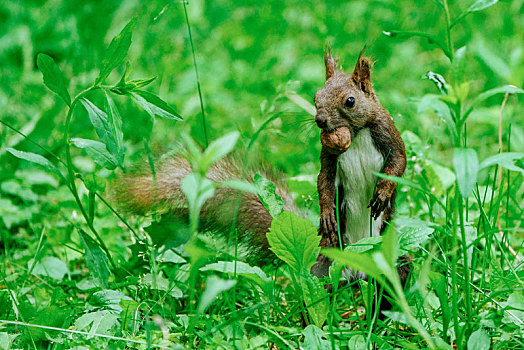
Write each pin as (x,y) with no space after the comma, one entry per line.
(71,174)
(448,29)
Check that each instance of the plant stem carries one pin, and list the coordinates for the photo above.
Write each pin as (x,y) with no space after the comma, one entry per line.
(71,174)
(202,109)
(448,29)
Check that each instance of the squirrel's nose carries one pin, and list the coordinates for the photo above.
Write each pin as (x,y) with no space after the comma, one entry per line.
(321,120)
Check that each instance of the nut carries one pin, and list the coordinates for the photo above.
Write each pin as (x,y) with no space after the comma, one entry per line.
(336,141)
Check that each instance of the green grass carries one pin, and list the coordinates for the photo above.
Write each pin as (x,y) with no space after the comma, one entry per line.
(75,271)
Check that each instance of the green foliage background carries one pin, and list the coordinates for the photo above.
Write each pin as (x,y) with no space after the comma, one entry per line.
(250,55)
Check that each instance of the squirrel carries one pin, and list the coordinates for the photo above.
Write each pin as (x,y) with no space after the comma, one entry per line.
(345,103)
(358,138)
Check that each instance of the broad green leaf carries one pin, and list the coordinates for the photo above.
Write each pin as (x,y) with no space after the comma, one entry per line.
(505,160)
(439,81)
(466,166)
(159,282)
(98,151)
(49,266)
(154,105)
(116,52)
(514,309)
(267,195)
(457,70)
(294,240)
(108,298)
(479,340)
(219,148)
(53,77)
(99,322)
(315,297)
(37,159)
(96,260)
(102,127)
(357,342)
(252,273)
(315,339)
(365,244)
(413,237)
(357,261)
(115,123)
(214,286)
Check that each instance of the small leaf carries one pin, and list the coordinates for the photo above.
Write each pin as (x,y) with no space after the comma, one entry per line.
(266,191)
(37,159)
(101,124)
(357,261)
(252,273)
(315,297)
(505,160)
(101,322)
(315,339)
(116,52)
(115,122)
(364,244)
(481,5)
(214,286)
(53,77)
(154,105)
(97,151)
(108,298)
(466,166)
(389,247)
(413,237)
(96,260)
(159,282)
(219,148)
(439,81)
(294,240)
(479,340)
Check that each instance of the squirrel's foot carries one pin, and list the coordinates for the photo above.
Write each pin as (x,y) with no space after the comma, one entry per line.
(328,226)
(382,198)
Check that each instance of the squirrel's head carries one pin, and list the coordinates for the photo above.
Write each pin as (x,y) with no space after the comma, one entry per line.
(346,99)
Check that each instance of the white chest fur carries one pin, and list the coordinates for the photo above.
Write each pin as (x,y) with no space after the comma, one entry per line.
(355,173)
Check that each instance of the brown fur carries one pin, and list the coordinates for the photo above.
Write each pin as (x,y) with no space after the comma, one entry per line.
(367,112)
(140,193)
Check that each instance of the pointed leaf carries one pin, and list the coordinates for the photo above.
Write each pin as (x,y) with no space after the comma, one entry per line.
(96,260)
(115,123)
(214,286)
(154,105)
(267,195)
(116,52)
(506,160)
(97,151)
(294,240)
(100,122)
(37,159)
(219,148)
(466,166)
(53,77)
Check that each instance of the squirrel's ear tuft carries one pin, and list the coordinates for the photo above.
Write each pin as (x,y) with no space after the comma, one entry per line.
(331,63)
(362,73)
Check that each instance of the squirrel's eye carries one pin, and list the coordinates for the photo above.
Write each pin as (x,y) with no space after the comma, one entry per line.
(350,102)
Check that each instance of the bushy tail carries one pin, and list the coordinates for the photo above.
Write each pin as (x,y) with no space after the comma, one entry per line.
(142,193)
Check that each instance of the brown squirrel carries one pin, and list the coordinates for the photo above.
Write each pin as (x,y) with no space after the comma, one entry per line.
(345,102)
(348,102)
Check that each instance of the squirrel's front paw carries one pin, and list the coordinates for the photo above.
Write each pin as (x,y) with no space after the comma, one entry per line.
(328,228)
(382,198)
